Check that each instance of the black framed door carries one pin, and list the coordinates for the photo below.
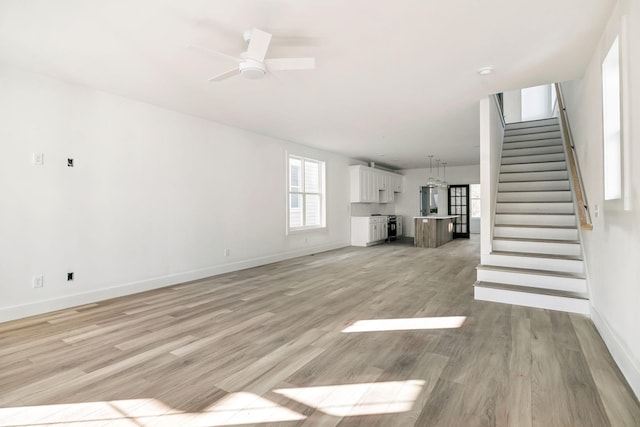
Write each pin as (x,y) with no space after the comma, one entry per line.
(459,205)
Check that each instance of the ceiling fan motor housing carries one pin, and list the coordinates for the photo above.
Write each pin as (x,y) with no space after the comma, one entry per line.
(252,69)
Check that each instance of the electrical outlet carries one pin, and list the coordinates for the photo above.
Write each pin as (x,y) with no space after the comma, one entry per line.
(38,159)
(70,276)
(227,252)
(38,281)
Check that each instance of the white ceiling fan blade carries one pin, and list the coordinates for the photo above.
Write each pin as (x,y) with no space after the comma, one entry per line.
(258,45)
(225,75)
(214,52)
(290,63)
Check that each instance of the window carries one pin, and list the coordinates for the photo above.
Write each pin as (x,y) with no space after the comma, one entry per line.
(306,204)
(611,124)
(475,200)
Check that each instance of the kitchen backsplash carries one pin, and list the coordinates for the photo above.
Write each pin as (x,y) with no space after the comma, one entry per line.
(366,209)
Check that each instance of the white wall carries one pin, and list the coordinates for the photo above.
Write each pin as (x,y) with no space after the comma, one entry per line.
(536,103)
(512,105)
(154,199)
(491,135)
(613,247)
(408,203)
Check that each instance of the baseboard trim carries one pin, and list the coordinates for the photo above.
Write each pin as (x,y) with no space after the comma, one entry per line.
(69,301)
(629,367)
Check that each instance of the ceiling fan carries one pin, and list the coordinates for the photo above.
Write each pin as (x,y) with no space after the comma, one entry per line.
(252,63)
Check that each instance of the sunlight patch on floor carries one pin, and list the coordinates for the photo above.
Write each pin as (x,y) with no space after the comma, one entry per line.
(233,409)
(358,399)
(419,323)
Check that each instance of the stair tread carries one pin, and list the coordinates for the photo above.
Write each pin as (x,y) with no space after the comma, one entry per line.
(530,139)
(531,271)
(533,191)
(546,170)
(530,290)
(533,121)
(534,213)
(529,148)
(542,201)
(530,255)
(525,239)
(528,163)
(560,227)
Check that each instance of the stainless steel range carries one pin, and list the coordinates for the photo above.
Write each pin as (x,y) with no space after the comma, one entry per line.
(392,227)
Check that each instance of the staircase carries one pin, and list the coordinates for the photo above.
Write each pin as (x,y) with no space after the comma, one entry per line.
(536,257)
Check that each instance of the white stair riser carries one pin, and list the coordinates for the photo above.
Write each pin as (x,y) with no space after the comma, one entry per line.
(532,124)
(535,196)
(536,263)
(519,219)
(535,186)
(548,302)
(511,176)
(540,207)
(549,149)
(537,136)
(536,233)
(531,130)
(559,166)
(528,144)
(551,248)
(536,158)
(541,281)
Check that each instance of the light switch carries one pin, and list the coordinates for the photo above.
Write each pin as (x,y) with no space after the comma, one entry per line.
(38,159)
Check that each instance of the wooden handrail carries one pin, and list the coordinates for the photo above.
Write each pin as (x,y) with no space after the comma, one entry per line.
(576,176)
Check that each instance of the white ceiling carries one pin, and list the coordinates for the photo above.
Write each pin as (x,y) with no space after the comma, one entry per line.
(394,81)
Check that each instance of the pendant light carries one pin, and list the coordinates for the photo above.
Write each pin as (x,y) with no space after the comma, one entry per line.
(444,183)
(431,182)
(438,183)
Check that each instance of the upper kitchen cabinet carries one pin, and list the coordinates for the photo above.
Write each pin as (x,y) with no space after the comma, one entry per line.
(369,185)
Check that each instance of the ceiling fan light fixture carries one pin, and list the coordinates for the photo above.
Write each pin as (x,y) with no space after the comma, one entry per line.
(253,70)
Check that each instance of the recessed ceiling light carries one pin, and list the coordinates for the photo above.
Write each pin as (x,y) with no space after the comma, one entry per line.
(485,71)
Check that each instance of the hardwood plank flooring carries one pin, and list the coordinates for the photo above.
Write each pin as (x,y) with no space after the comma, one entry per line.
(265,346)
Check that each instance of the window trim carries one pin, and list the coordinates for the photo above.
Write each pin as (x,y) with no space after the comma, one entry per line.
(321,193)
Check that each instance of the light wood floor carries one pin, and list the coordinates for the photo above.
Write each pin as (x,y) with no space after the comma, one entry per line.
(266,346)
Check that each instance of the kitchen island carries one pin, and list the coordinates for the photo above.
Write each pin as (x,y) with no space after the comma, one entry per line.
(433,230)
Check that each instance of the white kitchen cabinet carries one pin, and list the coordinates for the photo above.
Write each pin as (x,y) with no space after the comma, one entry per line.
(368,230)
(369,185)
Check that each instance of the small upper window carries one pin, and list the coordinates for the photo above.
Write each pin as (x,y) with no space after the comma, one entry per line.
(475,200)
(306,202)
(612,160)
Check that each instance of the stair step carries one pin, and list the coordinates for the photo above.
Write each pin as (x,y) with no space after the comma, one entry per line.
(535,196)
(548,175)
(536,219)
(533,137)
(535,231)
(533,158)
(561,263)
(531,297)
(534,167)
(534,207)
(558,185)
(547,279)
(532,123)
(528,151)
(551,142)
(532,130)
(537,246)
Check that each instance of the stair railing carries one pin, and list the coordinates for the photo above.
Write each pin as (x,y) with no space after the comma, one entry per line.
(576,177)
